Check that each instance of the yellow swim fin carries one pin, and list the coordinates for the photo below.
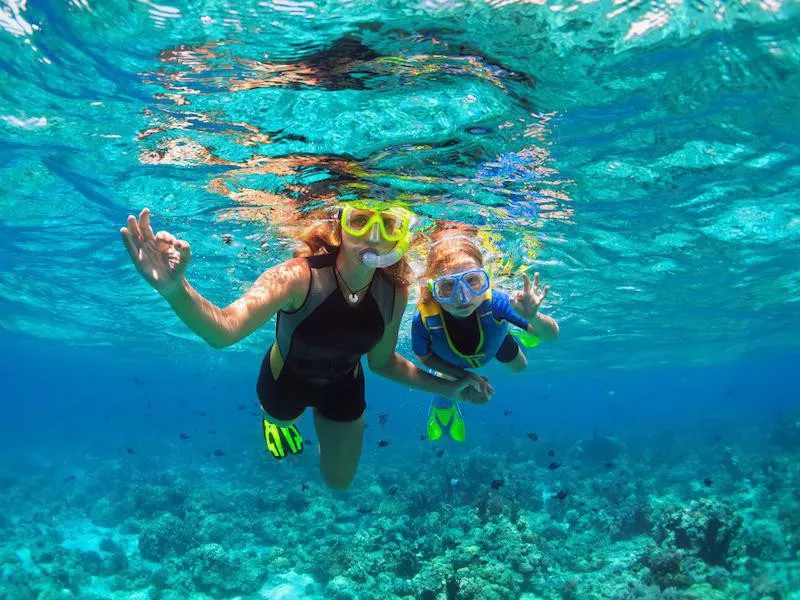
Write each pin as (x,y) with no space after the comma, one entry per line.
(445,415)
(282,441)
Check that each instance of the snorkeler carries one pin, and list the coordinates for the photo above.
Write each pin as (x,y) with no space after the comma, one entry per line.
(462,323)
(341,297)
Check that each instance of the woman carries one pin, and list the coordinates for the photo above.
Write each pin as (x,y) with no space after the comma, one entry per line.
(341,297)
(462,322)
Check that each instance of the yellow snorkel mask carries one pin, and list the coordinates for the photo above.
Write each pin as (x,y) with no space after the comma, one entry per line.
(378,220)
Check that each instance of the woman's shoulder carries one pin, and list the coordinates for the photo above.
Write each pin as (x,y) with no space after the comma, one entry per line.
(294,276)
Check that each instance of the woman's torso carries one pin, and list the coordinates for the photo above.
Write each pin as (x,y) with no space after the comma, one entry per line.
(325,338)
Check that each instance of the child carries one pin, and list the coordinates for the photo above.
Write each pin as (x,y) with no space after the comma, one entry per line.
(462,323)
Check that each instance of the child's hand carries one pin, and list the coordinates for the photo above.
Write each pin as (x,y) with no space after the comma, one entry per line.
(528,301)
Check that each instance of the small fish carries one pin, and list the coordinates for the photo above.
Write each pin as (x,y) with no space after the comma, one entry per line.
(551,453)
(393,490)
(184,436)
(304,486)
(609,465)
(241,407)
(553,466)
(308,441)
(708,481)
(70,478)
(199,413)
(532,436)
(364,510)
(562,494)
(498,483)
(219,452)
(130,451)
(212,431)
(383,443)
(382,418)
(507,412)
(439,453)
(227,239)
(422,437)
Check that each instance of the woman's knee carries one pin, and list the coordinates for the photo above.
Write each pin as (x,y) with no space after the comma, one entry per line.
(338,481)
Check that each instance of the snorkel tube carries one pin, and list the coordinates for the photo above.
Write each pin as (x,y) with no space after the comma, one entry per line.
(373,260)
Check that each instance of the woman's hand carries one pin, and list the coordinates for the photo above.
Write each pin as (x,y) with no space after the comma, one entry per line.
(528,301)
(160,259)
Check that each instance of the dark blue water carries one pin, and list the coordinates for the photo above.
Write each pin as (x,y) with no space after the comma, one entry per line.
(643,156)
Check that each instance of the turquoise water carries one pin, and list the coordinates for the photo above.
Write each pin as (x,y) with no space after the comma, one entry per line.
(643,156)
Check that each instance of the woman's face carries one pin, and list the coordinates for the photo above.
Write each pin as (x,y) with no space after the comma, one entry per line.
(461,311)
(353,246)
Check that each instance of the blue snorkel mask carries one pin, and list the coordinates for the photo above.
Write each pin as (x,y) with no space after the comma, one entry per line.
(460,288)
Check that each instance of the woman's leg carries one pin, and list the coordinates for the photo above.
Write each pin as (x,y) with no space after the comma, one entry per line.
(340,445)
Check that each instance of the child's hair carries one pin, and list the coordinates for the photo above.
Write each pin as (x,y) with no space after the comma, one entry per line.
(450,243)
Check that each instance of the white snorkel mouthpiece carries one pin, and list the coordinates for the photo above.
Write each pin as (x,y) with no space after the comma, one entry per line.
(373,260)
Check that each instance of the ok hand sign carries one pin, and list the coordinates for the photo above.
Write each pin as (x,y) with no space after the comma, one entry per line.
(527,302)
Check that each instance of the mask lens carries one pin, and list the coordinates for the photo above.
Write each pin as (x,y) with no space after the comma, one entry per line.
(393,226)
(358,221)
(476,281)
(444,287)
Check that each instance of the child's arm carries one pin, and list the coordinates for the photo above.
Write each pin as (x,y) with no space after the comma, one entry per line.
(544,327)
(527,303)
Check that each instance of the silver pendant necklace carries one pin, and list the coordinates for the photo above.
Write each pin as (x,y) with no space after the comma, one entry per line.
(353,296)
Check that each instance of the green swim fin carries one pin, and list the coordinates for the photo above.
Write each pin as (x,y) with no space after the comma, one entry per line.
(528,340)
(445,415)
(282,441)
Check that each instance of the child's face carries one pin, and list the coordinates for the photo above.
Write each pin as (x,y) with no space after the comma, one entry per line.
(461,311)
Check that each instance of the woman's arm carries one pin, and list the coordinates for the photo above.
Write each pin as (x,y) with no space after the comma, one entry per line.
(162,259)
(435,363)
(282,287)
(384,361)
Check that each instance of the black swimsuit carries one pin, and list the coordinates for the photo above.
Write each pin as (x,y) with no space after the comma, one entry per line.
(322,343)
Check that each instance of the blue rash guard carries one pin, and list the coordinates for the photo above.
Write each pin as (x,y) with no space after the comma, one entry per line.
(429,332)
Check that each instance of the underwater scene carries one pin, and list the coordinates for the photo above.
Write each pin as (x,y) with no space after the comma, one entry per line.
(429,299)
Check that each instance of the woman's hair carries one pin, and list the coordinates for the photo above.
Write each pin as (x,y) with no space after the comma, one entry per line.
(451,243)
(324,236)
